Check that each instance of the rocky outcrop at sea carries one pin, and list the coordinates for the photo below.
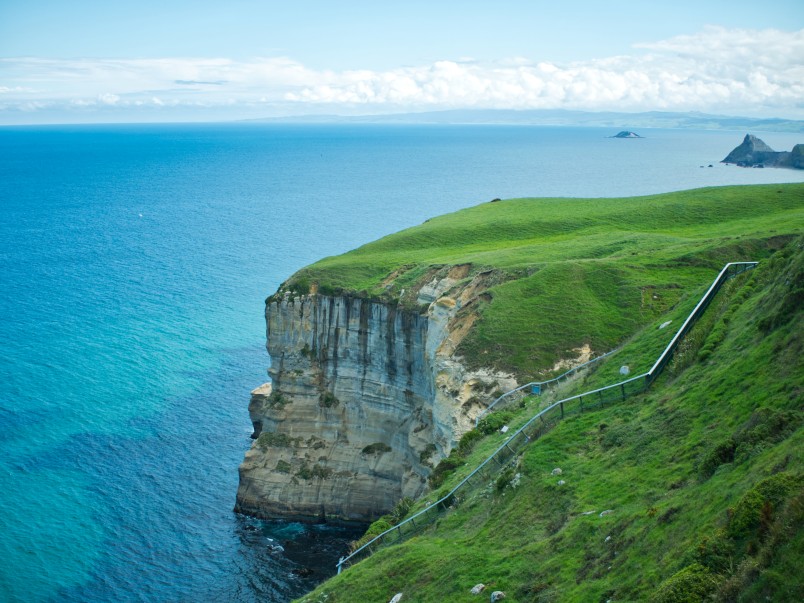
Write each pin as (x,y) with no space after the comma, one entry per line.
(753,152)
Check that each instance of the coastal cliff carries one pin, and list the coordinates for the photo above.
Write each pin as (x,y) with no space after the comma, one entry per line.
(382,357)
(365,397)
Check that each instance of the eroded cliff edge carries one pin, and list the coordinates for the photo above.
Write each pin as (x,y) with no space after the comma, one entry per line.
(365,397)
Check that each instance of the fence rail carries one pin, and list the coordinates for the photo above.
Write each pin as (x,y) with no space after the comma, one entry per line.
(541,384)
(541,422)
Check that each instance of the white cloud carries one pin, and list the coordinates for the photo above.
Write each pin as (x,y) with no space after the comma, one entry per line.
(7,90)
(717,69)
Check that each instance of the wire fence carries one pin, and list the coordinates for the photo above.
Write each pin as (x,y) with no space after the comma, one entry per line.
(540,423)
(536,387)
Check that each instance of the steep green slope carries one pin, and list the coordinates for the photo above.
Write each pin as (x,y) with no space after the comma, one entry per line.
(690,490)
(564,273)
(702,474)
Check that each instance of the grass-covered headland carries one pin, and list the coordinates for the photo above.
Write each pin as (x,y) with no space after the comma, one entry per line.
(563,273)
(689,492)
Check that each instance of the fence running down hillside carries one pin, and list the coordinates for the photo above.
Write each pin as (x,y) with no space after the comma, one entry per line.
(541,385)
(541,422)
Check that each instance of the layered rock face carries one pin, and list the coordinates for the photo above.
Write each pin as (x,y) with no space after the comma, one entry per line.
(365,398)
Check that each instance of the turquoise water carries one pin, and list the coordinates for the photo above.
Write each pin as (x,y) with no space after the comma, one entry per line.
(134,264)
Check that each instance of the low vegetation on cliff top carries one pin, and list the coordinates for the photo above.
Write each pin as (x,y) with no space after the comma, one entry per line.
(567,273)
(692,491)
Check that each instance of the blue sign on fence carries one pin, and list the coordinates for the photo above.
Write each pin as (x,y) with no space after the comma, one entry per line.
(536,390)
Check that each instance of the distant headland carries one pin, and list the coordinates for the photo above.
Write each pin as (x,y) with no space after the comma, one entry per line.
(560,117)
(753,152)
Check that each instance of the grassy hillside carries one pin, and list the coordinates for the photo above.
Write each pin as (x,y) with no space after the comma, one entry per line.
(564,273)
(692,490)
(702,475)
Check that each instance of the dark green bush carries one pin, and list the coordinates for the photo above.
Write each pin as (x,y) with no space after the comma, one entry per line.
(321,472)
(386,522)
(716,552)
(428,451)
(493,422)
(752,510)
(278,400)
(765,427)
(376,448)
(690,585)
(401,510)
(327,289)
(299,286)
(328,400)
(444,468)
(375,529)
(720,454)
(307,472)
(504,479)
(755,578)
(468,441)
(269,439)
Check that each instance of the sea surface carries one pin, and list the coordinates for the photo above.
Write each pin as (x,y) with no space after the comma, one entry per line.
(134,263)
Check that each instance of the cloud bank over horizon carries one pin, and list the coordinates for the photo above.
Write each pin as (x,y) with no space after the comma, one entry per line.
(717,70)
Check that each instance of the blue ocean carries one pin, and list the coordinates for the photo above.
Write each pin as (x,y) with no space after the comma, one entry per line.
(135,261)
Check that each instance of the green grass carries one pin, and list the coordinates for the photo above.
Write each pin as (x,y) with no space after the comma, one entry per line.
(703,473)
(568,272)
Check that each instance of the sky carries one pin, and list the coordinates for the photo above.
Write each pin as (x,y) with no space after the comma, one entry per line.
(76,61)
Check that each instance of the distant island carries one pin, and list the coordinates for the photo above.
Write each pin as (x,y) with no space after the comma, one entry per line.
(626,134)
(753,152)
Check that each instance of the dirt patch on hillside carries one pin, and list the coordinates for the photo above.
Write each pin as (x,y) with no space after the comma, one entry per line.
(582,354)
